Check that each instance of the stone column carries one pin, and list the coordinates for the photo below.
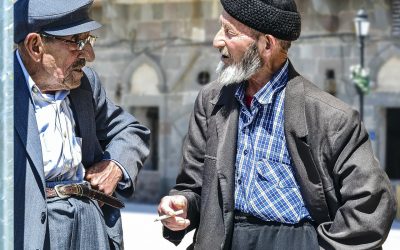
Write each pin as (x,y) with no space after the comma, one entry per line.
(6,126)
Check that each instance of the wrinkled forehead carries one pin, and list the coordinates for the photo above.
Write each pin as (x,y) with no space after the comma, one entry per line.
(228,21)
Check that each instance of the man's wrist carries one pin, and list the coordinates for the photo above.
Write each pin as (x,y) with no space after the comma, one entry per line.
(124,181)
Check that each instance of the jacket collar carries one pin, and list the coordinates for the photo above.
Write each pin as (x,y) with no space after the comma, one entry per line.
(25,120)
(295,116)
(226,96)
(81,101)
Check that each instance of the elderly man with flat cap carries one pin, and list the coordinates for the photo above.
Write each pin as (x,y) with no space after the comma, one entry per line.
(270,161)
(73,148)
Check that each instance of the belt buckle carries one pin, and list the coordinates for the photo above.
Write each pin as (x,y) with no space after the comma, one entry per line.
(87,184)
(59,192)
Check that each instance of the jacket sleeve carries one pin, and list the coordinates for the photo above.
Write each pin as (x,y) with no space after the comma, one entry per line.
(367,204)
(121,136)
(189,180)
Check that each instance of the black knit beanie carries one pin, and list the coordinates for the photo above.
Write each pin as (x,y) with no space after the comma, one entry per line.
(275,17)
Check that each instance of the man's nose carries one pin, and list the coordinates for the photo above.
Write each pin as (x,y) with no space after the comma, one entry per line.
(219,41)
(88,53)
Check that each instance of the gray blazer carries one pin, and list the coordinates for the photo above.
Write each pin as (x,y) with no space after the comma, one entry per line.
(107,132)
(347,193)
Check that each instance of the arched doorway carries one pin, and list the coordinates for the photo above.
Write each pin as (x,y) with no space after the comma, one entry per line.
(143,95)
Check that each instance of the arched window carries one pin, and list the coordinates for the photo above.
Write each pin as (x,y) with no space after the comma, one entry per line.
(144,81)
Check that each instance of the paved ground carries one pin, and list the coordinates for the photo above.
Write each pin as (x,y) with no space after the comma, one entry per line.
(142,233)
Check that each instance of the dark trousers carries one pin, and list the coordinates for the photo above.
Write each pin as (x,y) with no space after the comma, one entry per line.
(254,234)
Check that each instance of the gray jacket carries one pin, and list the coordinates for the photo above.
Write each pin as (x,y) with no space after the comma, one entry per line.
(346,192)
(107,133)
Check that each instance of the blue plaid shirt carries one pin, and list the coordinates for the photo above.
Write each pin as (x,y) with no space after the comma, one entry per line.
(265,186)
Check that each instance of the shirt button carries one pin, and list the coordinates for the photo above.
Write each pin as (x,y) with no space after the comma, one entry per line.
(240,182)
(246,152)
(43,217)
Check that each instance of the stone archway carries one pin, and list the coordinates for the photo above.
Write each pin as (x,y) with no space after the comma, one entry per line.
(144,81)
(143,95)
(143,76)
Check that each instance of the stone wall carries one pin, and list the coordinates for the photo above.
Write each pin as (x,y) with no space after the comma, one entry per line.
(174,38)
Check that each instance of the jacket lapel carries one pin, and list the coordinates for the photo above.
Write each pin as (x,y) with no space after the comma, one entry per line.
(296,133)
(226,121)
(81,100)
(25,120)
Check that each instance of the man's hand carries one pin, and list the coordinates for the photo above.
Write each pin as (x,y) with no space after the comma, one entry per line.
(104,176)
(168,205)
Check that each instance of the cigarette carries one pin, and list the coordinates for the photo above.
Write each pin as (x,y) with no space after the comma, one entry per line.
(163,217)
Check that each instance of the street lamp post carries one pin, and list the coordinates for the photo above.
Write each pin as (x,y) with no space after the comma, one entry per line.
(362,28)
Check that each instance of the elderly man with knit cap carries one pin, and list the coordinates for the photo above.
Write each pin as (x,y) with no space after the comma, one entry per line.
(270,161)
(73,148)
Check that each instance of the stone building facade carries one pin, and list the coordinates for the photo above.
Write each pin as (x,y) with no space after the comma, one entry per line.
(153,57)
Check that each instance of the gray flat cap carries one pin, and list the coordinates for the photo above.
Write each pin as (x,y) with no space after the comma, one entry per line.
(54,17)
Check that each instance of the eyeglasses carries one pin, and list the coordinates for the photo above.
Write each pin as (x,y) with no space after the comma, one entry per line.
(79,44)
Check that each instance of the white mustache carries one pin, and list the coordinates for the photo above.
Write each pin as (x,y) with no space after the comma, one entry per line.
(241,71)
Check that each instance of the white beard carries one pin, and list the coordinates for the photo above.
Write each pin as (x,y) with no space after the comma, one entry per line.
(238,72)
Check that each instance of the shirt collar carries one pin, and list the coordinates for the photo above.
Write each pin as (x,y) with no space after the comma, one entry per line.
(34,90)
(266,93)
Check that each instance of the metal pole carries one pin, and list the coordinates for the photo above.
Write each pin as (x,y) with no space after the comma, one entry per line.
(362,51)
(6,126)
(362,67)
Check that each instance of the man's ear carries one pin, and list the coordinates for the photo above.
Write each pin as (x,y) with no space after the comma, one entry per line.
(33,45)
(270,41)
(265,43)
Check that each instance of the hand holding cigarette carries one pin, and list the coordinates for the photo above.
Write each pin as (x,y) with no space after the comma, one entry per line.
(173,212)
(163,217)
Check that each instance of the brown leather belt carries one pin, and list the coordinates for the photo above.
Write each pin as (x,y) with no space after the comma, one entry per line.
(83,190)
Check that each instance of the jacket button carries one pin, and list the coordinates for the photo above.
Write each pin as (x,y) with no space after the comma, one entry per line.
(43,217)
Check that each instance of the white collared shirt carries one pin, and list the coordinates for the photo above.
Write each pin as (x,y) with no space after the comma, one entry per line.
(61,148)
